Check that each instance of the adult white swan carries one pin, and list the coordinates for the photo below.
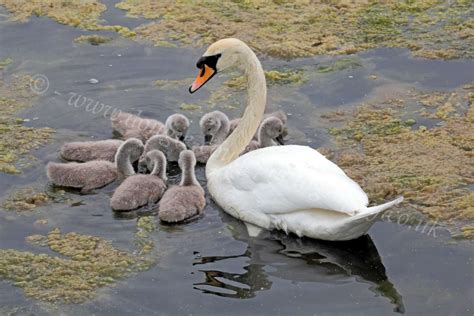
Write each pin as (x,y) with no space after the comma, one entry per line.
(293,188)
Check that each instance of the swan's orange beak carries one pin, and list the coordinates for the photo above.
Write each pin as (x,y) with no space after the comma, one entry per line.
(205,74)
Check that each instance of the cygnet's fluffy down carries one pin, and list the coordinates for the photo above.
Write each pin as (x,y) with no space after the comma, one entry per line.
(91,150)
(85,176)
(278,114)
(215,127)
(96,173)
(203,153)
(269,134)
(186,200)
(169,146)
(140,189)
(129,125)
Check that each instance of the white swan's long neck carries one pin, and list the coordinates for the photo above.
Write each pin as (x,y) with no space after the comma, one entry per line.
(233,146)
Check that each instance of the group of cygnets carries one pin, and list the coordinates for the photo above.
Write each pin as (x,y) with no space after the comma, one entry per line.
(95,164)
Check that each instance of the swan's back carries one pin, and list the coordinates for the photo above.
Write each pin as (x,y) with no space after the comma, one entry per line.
(285,179)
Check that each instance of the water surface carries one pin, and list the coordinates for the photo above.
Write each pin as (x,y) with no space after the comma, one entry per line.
(211,265)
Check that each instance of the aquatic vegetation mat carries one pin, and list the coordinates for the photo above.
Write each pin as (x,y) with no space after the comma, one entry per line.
(29,198)
(76,13)
(273,77)
(433,29)
(17,140)
(86,264)
(5,62)
(340,64)
(83,14)
(146,225)
(93,39)
(26,199)
(381,146)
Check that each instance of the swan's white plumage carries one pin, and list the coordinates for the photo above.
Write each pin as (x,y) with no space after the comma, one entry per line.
(285,179)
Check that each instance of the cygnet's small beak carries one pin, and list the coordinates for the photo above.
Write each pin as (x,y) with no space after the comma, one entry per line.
(182,137)
(207,139)
(280,140)
(142,168)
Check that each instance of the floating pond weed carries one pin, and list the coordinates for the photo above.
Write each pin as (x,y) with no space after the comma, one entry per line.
(92,39)
(17,140)
(389,156)
(75,13)
(273,77)
(29,198)
(81,14)
(5,62)
(340,64)
(87,264)
(290,29)
(143,239)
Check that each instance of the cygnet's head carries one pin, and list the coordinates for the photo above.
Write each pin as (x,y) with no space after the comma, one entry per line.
(132,147)
(156,163)
(187,160)
(211,123)
(272,128)
(176,126)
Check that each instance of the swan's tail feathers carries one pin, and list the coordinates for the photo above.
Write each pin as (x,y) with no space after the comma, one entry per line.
(358,225)
(375,212)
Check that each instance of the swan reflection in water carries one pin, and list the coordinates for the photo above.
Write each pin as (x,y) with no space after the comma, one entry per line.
(311,261)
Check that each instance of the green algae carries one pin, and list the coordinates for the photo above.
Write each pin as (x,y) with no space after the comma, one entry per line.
(189,107)
(17,140)
(284,77)
(26,199)
(430,167)
(5,62)
(468,232)
(80,14)
(87,263)
(75,13)
(29,198)
(121,30)
(146,225)
(340,64)
(93,39)
(288,29)
(177,84)
(273,77)
(379,23)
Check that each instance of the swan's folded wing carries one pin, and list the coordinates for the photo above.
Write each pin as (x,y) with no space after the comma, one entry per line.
(275,181)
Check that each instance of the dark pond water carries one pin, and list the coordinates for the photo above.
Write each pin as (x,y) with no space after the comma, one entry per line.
(210,266)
